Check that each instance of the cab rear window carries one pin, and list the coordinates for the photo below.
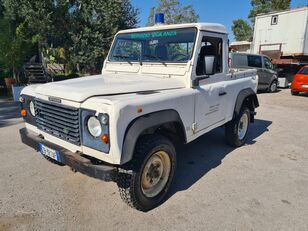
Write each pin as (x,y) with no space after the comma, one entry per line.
(304,71)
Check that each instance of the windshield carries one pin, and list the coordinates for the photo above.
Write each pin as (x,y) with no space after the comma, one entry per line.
(154,46)
(304,71)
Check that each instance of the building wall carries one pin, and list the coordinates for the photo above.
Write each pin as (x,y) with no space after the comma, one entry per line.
(290,31)
(241,48)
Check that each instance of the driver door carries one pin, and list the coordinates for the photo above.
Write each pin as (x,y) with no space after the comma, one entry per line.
(210,101)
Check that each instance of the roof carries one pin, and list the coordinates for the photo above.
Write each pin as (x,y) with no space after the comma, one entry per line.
(212,27)
(281,12)
(240,43)
(285,61)
(245,54)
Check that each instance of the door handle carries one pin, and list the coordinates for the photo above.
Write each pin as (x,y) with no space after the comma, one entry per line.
(222,93)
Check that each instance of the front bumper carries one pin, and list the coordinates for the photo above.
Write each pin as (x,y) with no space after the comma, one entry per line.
(298,86)
(76,161)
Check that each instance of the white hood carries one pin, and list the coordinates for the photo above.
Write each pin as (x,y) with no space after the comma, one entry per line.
(80,89)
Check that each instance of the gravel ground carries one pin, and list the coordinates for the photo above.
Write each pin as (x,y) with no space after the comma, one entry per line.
(260,186)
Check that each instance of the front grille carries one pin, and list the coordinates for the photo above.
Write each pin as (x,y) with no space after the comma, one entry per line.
(58,120)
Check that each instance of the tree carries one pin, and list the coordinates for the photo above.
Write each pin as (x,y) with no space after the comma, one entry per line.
(174,12)
(281,4)
(266,6)
(83,28)
(1,9)
(94,24)
(151,17)
(40,19)
(242,30)
(13,48)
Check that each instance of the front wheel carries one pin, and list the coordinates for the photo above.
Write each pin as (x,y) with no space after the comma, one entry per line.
(294,92)
(145,183)
(237,129)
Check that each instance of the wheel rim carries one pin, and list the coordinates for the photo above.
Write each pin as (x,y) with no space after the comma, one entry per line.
(243,126)
(155,174)
(273,87)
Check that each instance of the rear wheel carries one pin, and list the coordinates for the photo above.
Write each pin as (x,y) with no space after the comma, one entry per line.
(145,183)
(294,92)
(237,129)
(273,87)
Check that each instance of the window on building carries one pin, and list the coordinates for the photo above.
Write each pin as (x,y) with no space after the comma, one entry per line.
(274,20)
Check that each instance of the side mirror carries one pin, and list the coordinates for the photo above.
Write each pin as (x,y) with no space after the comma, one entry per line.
(209,69)
(209,65)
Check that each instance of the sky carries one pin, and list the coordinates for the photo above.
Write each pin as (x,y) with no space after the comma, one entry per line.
(216,11)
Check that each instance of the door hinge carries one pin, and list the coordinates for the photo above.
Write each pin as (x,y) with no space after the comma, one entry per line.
(194,127)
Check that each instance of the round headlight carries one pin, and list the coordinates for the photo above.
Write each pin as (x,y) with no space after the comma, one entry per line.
(32,109)
(94,126)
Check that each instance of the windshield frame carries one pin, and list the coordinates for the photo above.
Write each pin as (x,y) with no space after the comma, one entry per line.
(154,61)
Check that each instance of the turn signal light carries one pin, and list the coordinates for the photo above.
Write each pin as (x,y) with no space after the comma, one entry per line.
(105,139)
(23,112)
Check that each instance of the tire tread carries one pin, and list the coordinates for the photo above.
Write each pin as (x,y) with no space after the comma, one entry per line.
(231,130)
(127,174)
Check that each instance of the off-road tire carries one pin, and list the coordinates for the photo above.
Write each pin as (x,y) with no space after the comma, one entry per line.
(294,92)
(231,129)
(129,178)
(273,87)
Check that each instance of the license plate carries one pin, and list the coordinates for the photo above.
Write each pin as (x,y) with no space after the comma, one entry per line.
(53,154)
(305,86)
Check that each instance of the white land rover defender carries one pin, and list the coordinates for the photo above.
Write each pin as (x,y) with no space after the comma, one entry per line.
(160,86)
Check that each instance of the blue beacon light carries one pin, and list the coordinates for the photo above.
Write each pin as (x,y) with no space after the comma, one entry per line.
(159,18)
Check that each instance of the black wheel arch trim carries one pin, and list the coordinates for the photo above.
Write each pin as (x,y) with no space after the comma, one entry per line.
(243,94)
(142,123)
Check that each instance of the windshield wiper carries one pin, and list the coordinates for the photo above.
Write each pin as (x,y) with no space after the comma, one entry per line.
(121,56)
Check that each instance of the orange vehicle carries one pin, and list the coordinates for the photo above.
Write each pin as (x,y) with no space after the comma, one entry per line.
(300,81)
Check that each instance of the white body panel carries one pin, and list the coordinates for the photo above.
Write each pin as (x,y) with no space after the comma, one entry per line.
(118,92)
(107,84)
(291,31)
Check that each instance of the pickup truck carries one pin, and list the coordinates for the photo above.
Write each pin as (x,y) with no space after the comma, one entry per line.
(160,87)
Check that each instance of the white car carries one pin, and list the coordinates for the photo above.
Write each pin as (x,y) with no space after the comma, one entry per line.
(160,86)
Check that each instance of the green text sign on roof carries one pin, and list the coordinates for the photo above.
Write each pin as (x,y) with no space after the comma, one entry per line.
(154,34)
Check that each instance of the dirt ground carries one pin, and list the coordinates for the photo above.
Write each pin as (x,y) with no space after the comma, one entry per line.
(260,186)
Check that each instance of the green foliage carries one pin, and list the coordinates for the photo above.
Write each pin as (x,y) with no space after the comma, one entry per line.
(82,28)
(94,24)
(258,7)
(53,55)
(1,9)
(242,30)
(174,12)
(151,17)
(13,48)
(266,6)
(40,20)
(281,4)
